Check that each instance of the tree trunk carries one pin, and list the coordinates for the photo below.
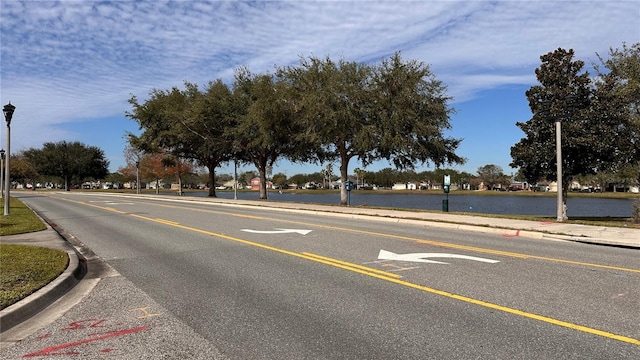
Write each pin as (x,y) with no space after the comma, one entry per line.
(344,176)
(263,182)
(566,183)
(212,180)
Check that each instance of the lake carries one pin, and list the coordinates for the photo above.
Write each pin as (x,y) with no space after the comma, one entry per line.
(497,204)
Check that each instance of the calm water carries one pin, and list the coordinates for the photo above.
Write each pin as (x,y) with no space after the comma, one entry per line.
(502,204)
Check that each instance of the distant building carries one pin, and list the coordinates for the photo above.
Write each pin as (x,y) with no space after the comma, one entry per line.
(404,186)
(517,186)
(255,184)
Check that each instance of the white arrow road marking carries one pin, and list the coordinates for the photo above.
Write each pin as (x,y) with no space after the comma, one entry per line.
(278,231)
(420,257)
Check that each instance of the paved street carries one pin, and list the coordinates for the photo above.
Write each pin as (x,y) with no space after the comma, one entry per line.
(214,279)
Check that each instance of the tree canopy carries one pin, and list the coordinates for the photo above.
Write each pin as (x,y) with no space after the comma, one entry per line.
(266,129)
(69,161)
(190,124)
(394,111)
(619,96)
(491,175)
(598,130)
(318,111)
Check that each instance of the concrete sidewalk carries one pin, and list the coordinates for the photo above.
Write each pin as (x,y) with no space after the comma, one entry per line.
(612,236)
(603,235)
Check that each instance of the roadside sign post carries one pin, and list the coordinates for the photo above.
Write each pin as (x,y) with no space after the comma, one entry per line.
(445,187)
(348,186)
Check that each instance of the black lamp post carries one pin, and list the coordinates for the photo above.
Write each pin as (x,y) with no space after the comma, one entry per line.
(8,114)
(1,173)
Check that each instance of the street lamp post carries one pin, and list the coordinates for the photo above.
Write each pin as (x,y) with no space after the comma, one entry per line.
(8,114)
(1,173)
(561,209)
(561,216)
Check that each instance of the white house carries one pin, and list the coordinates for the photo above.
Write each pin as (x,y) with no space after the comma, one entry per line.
(404,186)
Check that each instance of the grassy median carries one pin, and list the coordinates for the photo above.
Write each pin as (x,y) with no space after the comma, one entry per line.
(20,220)
(25,269)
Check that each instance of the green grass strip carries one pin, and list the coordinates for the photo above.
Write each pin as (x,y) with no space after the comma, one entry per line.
(25,269)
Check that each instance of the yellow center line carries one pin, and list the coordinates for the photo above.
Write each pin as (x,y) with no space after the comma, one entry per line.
(352,265)
(399,237)
(168,222)
(393,278)
(509,310)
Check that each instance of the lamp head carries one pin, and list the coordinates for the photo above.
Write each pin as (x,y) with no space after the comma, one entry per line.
(8,112)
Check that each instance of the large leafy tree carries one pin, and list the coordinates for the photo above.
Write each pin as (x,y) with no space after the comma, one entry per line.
(491,175)
(411,110)
(158,166)
(188,123)
(69,160)
(395,111)
(131,170)
(564,95)
(335,104)
(618,97)
(22,170)
(266,129)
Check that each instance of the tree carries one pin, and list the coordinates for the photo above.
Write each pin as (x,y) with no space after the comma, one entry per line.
(563,95)
(412,110)
(327,175)
(178,168)
(618,83)
(189,124)
(266,129)
(395,111)
(317,177)
(69,160)
(491,175)
(624,66)
(22,169)
(359,177)
(463,179)
(131,170)
(279,180)
(299,179)
(116,178)
(385,177)
(156,167)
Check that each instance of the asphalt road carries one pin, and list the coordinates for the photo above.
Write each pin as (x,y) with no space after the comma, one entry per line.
(258,283)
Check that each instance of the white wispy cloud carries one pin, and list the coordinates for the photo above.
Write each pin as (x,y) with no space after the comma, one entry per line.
(74,61)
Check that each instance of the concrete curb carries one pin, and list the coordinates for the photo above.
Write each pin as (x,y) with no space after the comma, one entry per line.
(31,305)
(47,295)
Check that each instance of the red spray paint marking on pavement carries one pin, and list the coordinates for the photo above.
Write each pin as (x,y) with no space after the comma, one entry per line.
(52,350)
(80,325)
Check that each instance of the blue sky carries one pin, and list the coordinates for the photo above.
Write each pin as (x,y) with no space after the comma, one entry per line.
(69,66)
